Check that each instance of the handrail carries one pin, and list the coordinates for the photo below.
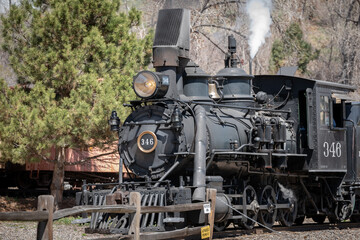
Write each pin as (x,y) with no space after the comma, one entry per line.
(24,216)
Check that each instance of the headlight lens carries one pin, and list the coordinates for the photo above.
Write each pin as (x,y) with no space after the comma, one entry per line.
(147,84)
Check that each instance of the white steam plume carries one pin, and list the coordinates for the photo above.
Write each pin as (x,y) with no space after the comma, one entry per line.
(287,193)
(259,12)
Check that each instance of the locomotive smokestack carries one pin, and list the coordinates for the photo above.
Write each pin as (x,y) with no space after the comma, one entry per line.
(171,47)
(172,38)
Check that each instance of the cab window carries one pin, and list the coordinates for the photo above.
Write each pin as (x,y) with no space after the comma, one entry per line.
(324,111)
(337,113)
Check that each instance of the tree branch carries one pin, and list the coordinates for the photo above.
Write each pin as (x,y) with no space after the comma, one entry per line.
(43,157)
(84,160)
(208,38)
(348,17)
(351,7)
(220,27)
(206,6)
(219,3)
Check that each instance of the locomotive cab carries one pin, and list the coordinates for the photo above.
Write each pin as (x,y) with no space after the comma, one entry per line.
(330,146)
(318,112)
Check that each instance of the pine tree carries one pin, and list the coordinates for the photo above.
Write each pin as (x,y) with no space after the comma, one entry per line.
(74,60)
(292,46)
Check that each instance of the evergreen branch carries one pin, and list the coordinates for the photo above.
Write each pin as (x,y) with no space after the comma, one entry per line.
(40,155)
(43,157)
(21,33)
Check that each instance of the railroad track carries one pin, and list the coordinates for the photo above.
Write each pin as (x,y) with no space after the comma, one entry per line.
(234,232)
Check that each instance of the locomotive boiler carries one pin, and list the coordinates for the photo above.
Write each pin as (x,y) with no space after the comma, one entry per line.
(276,147)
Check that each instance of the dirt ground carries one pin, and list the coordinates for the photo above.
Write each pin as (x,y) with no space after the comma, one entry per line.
(12,204)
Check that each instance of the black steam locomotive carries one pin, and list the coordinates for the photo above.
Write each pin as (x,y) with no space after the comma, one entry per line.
(276,147)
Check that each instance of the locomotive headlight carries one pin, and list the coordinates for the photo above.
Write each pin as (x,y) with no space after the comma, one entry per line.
(148,84)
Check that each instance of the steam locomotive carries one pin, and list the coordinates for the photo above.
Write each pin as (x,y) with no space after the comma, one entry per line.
(276,147)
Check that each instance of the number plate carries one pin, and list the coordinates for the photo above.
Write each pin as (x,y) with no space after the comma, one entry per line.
(147,141)
(332,149)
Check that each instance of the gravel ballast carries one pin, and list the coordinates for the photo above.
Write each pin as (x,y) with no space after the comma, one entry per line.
(27,231)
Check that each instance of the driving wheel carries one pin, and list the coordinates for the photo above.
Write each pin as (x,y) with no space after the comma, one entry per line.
(252,208)
(267,198)
(286,216)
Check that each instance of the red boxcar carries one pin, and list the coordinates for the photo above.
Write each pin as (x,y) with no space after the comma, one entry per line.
(104,168)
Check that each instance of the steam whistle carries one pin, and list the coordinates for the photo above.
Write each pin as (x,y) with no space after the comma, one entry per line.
(230,58)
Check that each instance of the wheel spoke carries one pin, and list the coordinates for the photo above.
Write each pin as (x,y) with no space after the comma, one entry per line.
(268,198)
(287,217)
(250,198)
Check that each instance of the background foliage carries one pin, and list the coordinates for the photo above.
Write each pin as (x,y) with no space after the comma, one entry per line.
(74,61)
(292,45)
(78,57)
(330,26)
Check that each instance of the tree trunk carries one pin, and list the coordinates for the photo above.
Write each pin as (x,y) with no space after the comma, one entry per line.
(57,185)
